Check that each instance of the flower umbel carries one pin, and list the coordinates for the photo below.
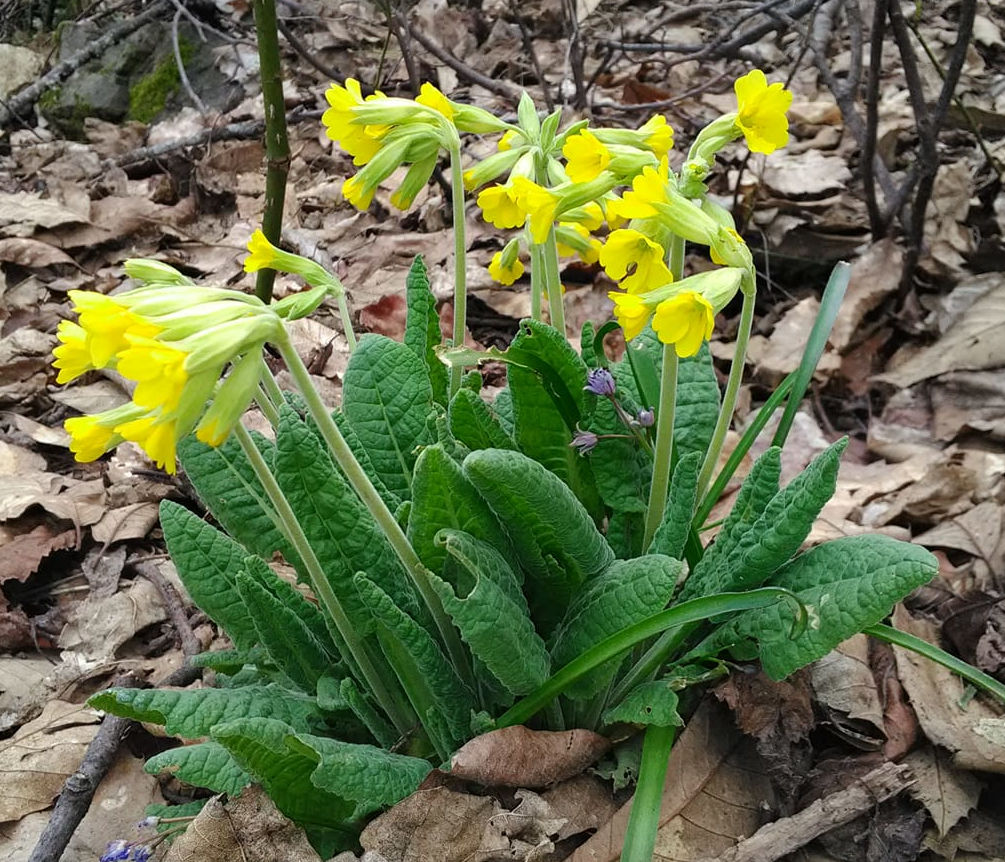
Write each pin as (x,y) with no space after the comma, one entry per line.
(685,320)
(627,249)
(761,111)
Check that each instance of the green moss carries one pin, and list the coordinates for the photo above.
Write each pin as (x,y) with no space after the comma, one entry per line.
(70,121)
(149,95)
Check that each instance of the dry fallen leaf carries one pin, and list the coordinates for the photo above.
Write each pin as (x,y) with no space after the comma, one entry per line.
(133,521)
(874,276)
(99,626)
(948,793)
(781,353)
(842,680)
(36,761)
(520,757)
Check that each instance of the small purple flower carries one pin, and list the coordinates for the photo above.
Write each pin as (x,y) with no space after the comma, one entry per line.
(584,441)
(645,418)
(147,822)
(141,853)
(116,851)
(600,381)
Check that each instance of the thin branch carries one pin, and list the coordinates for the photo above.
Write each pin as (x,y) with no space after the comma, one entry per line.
(301,49)
(528,46)
(180,63)
(190,644)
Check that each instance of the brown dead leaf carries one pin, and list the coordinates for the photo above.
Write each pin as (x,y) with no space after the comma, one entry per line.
(520,757)
(247,829)
(874,276)
(781,353)
(128,522)
(972,343)
(17,459)
(807,174)
(947,793)
(436,824)
(83,503)
(22,552)
(975,735)
(99,626)
(32,253)
(386,316)
(584,802)
(968,400)
(22,213)
(41,755)
(713,795)
(842,680)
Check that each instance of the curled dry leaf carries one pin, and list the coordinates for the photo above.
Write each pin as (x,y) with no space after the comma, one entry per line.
(842,680)
(520,757)
(247,829)
(947,793)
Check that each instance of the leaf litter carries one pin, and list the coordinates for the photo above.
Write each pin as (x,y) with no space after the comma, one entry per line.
(916,379)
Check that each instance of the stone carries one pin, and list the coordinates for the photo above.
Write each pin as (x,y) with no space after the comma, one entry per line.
(20,66)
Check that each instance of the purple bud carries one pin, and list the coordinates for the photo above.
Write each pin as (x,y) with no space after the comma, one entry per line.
(600,381)
(584,441)
(116,851)
(141,853)
(645,418)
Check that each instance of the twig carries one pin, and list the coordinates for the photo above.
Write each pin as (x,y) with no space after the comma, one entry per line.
(78,789)
(190,644)
(528,46)
(405,46)
(301,49)
(574,53)
(787,835)
(500,88)
(180,63)
(27,97)
(277,144)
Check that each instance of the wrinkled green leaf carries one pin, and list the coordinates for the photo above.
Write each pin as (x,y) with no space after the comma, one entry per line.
(339,527)
(391,499)
(191,713)
(230,661)
(442,497)
(386,397)
(473,554)
(343,693)
(422,327)
(626,593)
(621,469)
(428,678)
(496,628)
(227,485)
(205,764)
(208,562)
(848,584)
(553,536)
(672,532)
(475,425)
(650,703)
(753,552)
(625,532)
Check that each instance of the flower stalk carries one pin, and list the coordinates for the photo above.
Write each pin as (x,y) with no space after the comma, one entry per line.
(553,283)
(460,257)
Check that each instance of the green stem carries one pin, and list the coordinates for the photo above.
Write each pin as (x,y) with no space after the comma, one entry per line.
(365,490)
(732,390)
(277,145)
(664,444)
(294,533)
(553,283)
(653,658)
(272,387)
(343,312)
(536,281)
(643,821)
(460,261)
(613,646)
(268,407)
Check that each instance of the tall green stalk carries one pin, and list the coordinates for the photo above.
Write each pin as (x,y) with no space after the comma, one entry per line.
(277,145)
(355,648)
(460,257)
(367,493)
(732,387)
(644,819)
(536,280)
(553,282)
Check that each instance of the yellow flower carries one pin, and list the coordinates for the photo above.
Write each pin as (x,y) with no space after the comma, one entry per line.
(540,204)
(342,125)
(658,135)
(648,188)
(72,355)
(89,438)
(685,320)
(577,240)
(231,399)
(106,323)
(356,192)
(502,273)
(506,141)
(761,112)
(159,372)
(156,435)
(631,311)
(500,208)
(627,248)
(263,253)
(431,97)
(718,258)
(586,157)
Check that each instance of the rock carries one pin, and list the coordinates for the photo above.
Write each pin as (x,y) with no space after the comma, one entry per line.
(20,66)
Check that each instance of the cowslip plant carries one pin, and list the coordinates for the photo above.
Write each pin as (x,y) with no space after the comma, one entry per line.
(465,565)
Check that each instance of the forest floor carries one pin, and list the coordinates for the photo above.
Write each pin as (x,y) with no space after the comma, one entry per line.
(914,373)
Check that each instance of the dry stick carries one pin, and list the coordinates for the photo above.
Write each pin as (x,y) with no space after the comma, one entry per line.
(27,97)
(190,644)
(500,88)
(277,144)
(301,49)
(528,47)
(405,45)
(787,835)
(180,63)
(879,222)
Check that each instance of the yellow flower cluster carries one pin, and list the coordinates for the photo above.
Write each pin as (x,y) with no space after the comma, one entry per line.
(172,340)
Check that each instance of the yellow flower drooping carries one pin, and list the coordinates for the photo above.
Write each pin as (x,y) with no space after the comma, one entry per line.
(502,273)
(685,320)
(648,188)
(500,208)
(626,249)
(632,313)
(89,438)
(657,135)
(106,323)
(361,141)
(431,97)
(155,435)
(159,372)
(507,140)
(72,355)
(356,192)
(761,112)
(586,157)
(540,204)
